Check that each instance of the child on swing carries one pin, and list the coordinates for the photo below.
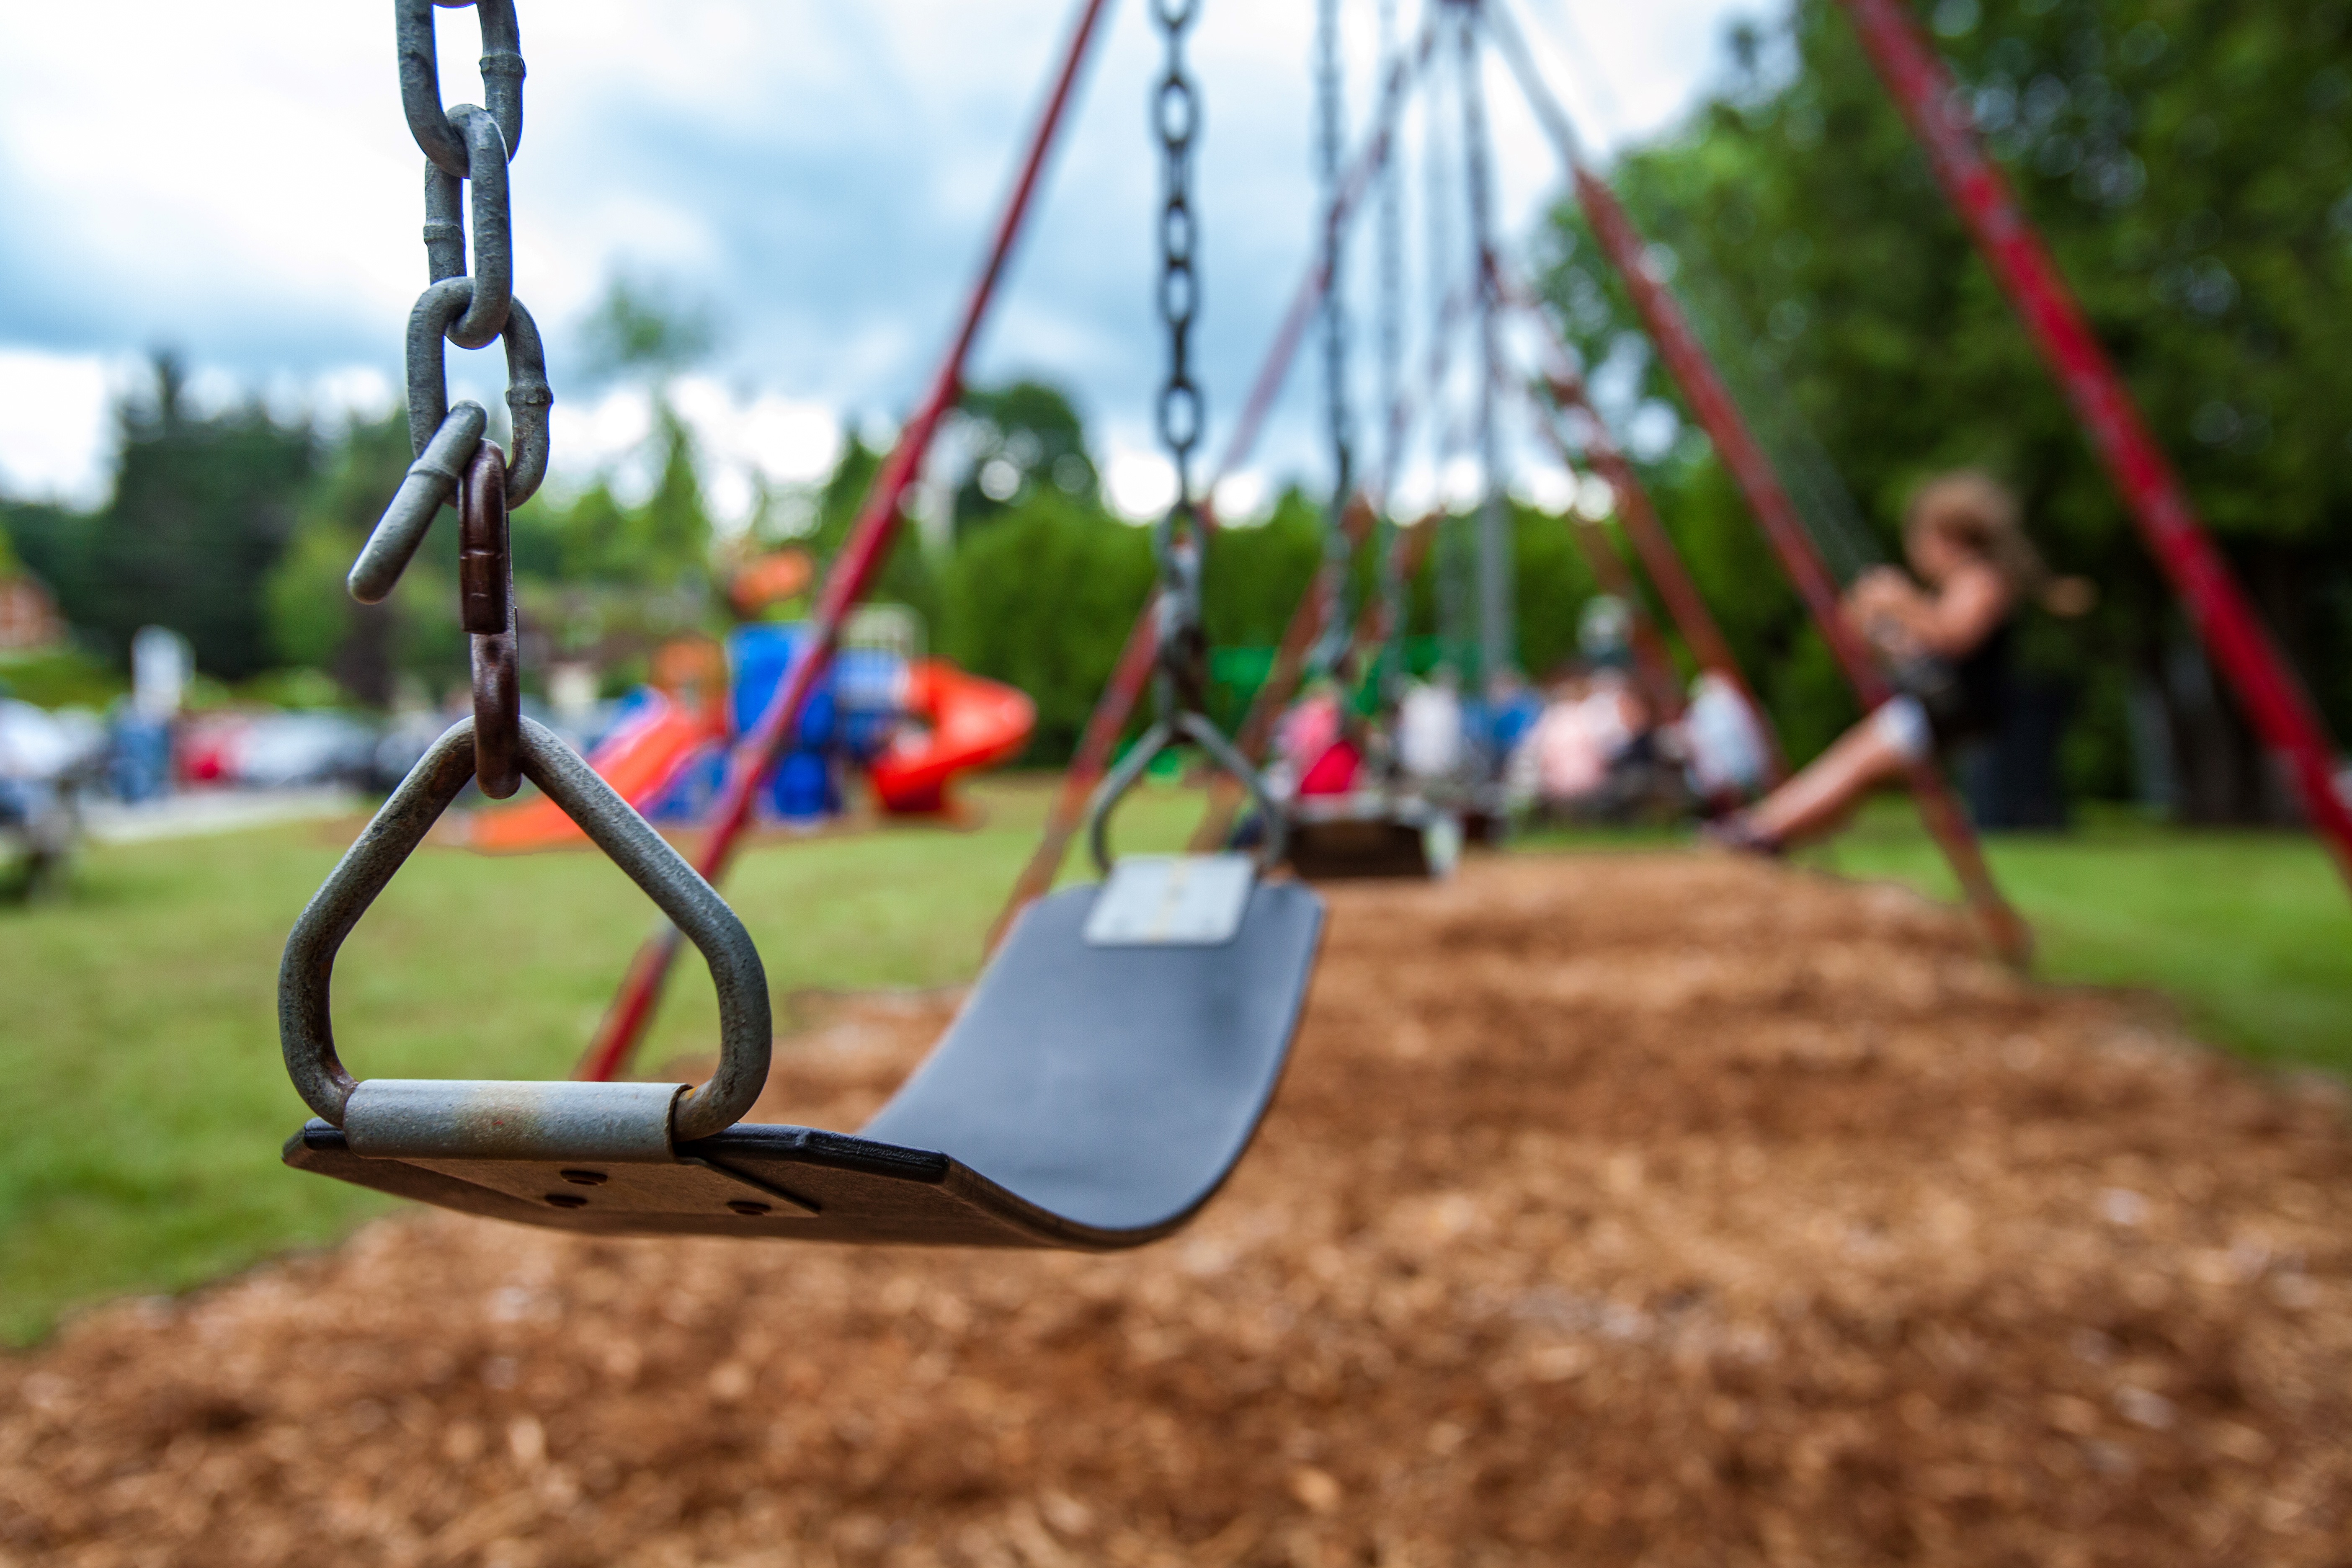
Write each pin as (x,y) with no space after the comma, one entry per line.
(1947,639)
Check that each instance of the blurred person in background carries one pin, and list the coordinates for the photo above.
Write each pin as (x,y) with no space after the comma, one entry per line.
(1946,636)
(42,761)
(1315,755)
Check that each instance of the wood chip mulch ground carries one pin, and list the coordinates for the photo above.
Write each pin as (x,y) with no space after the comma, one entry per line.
(1660,1209)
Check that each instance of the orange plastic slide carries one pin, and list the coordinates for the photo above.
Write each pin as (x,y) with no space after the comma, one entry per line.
(972,723)
(637,760)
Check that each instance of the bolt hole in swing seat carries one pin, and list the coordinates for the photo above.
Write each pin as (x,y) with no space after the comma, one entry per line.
(1102,1078)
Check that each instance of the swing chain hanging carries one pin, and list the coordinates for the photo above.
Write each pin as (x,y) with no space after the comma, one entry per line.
(1392,372)
(1176,539)
(467,150)
(1331,644)
(1182,645)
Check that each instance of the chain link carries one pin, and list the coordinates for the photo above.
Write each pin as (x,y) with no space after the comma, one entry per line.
(1495,638)
(1176,539)
(1392,349)
(467,149)
(1331,644)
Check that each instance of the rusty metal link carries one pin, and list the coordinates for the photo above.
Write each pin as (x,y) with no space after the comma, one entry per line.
(487,608)
(466,146)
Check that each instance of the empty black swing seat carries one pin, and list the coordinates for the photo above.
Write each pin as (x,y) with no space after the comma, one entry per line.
(1370,835)
(1103,1077)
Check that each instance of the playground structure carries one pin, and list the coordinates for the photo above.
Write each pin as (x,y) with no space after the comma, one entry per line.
(908,726)
(1616,1207)
(456,462)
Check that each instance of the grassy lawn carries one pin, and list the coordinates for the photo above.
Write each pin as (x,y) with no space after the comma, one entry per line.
(2250,934)
(142,1099)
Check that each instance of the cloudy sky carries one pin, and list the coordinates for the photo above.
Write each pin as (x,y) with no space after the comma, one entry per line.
(238,184)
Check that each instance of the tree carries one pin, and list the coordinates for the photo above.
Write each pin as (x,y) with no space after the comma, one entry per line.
(314,623)
(1042,598)
(203,507)
(1019,439)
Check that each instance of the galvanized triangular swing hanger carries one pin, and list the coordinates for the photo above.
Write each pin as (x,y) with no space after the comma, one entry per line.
(457,1120)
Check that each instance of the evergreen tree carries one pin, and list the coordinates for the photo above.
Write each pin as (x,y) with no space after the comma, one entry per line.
(203,508)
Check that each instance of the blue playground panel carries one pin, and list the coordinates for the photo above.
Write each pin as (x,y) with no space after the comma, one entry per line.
(847,720)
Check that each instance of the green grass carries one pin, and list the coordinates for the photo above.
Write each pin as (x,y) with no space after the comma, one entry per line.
(2249,932)
(142,1099)
(142,1102)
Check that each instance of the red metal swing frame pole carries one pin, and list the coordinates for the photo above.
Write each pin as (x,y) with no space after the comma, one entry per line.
(851,576)
(2275,700)
(1711,401)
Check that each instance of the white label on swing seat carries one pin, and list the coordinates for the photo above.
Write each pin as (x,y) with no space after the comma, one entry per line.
(1171,901)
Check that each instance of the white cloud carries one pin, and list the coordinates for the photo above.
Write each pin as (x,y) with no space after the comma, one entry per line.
(1139,484)
(1243,498)
(822,176)
(56,433)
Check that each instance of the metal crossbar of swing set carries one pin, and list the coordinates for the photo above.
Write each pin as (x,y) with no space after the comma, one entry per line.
(1726,427)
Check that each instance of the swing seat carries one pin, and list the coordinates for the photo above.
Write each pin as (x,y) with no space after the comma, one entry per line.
(1087,1095)
(1367,836)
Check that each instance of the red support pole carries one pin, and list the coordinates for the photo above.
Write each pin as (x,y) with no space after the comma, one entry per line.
(851,575)
(2277,703)
(1686,359)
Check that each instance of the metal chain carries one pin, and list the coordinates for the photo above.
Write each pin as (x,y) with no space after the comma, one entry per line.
(1496,639)
(1391,347)
(1443,256)
(467,149)
(1176,540)
(1331,645)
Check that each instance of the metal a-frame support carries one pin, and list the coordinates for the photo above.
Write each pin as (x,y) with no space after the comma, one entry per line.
(2275,702)
(1711,402)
